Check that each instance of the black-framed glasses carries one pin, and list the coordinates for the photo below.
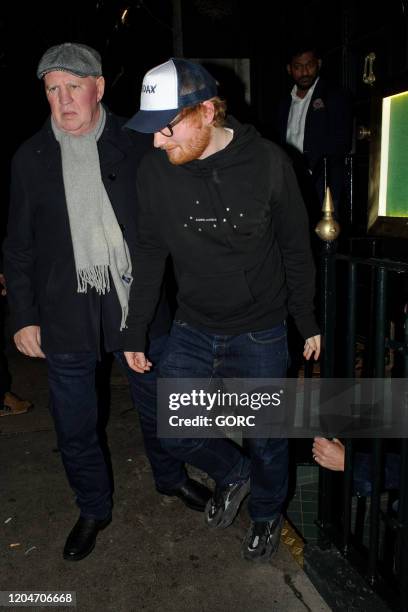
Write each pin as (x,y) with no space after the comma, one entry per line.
(168,129)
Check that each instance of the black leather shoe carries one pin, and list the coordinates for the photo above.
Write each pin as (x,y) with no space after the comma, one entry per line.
(192,493)
(81,541)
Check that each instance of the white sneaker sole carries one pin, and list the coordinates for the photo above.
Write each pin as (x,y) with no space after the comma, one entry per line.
(270,549)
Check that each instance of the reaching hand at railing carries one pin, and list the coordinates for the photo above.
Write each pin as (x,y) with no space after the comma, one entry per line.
(329,453)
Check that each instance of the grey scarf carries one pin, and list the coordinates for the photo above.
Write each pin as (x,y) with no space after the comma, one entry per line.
(97,240)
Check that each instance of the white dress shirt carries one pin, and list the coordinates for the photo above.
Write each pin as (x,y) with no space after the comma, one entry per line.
(295,131)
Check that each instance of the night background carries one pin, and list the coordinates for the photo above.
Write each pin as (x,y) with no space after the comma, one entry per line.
(136,35)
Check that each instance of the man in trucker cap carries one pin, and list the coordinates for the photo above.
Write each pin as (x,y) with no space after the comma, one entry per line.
(225,204)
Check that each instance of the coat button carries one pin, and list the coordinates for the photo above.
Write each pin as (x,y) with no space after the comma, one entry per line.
(112,176)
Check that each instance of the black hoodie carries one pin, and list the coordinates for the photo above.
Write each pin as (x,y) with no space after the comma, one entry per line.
(237,230)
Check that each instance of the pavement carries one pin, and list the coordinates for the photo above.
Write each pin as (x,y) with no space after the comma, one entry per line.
(156,554)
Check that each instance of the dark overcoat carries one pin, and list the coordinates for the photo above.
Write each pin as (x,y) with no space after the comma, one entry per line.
(38,255)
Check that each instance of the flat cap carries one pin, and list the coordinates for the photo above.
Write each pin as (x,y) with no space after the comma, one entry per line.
(78,59)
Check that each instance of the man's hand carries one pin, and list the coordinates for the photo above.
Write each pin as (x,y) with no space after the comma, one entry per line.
(312,345)
(329,453)
(3,284)
(28,341)
(137,362)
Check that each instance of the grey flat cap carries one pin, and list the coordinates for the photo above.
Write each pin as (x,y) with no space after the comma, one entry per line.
(78,59)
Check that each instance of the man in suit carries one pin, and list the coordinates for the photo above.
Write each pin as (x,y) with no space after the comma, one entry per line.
(314,123)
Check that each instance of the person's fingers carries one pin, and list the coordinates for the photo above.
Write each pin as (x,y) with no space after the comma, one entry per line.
(137,369)
(312,346)
(141,362)
(137,362)
(28,341)
(146,365)
(39,353)
(32,349)
(308,352)
(128,356)
(23,345)
(37,344)
(317,342)
(25,350)
(320,445)
(131,361)
(21,348)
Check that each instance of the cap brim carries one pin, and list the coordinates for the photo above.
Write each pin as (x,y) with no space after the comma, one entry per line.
(149,122)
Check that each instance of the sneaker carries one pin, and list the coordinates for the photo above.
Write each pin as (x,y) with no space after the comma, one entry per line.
(223,506)
(262,540)
(14,405)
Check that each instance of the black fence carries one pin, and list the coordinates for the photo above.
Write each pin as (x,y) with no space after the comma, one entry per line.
(364,514)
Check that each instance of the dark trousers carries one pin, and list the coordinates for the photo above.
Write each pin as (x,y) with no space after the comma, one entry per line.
(5,380)
(191,353)
(74,408)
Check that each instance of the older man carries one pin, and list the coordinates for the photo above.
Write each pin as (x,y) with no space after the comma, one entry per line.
(225,204)
(69,275)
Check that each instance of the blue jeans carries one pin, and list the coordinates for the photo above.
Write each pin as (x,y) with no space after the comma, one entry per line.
(168,471)
(74,407)
(191,353)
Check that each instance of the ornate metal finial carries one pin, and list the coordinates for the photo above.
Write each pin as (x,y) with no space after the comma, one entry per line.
(328,229)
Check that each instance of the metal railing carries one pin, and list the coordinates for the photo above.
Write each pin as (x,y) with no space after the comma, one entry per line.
(387,575)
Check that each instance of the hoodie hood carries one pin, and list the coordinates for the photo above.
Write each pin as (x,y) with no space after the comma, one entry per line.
(235,152)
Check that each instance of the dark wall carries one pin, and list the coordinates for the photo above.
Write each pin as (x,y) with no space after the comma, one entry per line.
(261,31)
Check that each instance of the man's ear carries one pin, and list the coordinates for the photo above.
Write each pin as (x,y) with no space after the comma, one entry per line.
(208,111)
(100,88)
(289,69)
(319,63)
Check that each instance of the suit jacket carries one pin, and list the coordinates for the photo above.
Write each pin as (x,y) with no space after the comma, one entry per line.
(38,255)
(328,133)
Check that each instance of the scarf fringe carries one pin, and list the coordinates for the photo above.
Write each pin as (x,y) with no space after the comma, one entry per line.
(96,277)
(125,311)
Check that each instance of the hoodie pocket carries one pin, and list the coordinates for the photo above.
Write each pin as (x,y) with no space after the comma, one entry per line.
(215,296)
